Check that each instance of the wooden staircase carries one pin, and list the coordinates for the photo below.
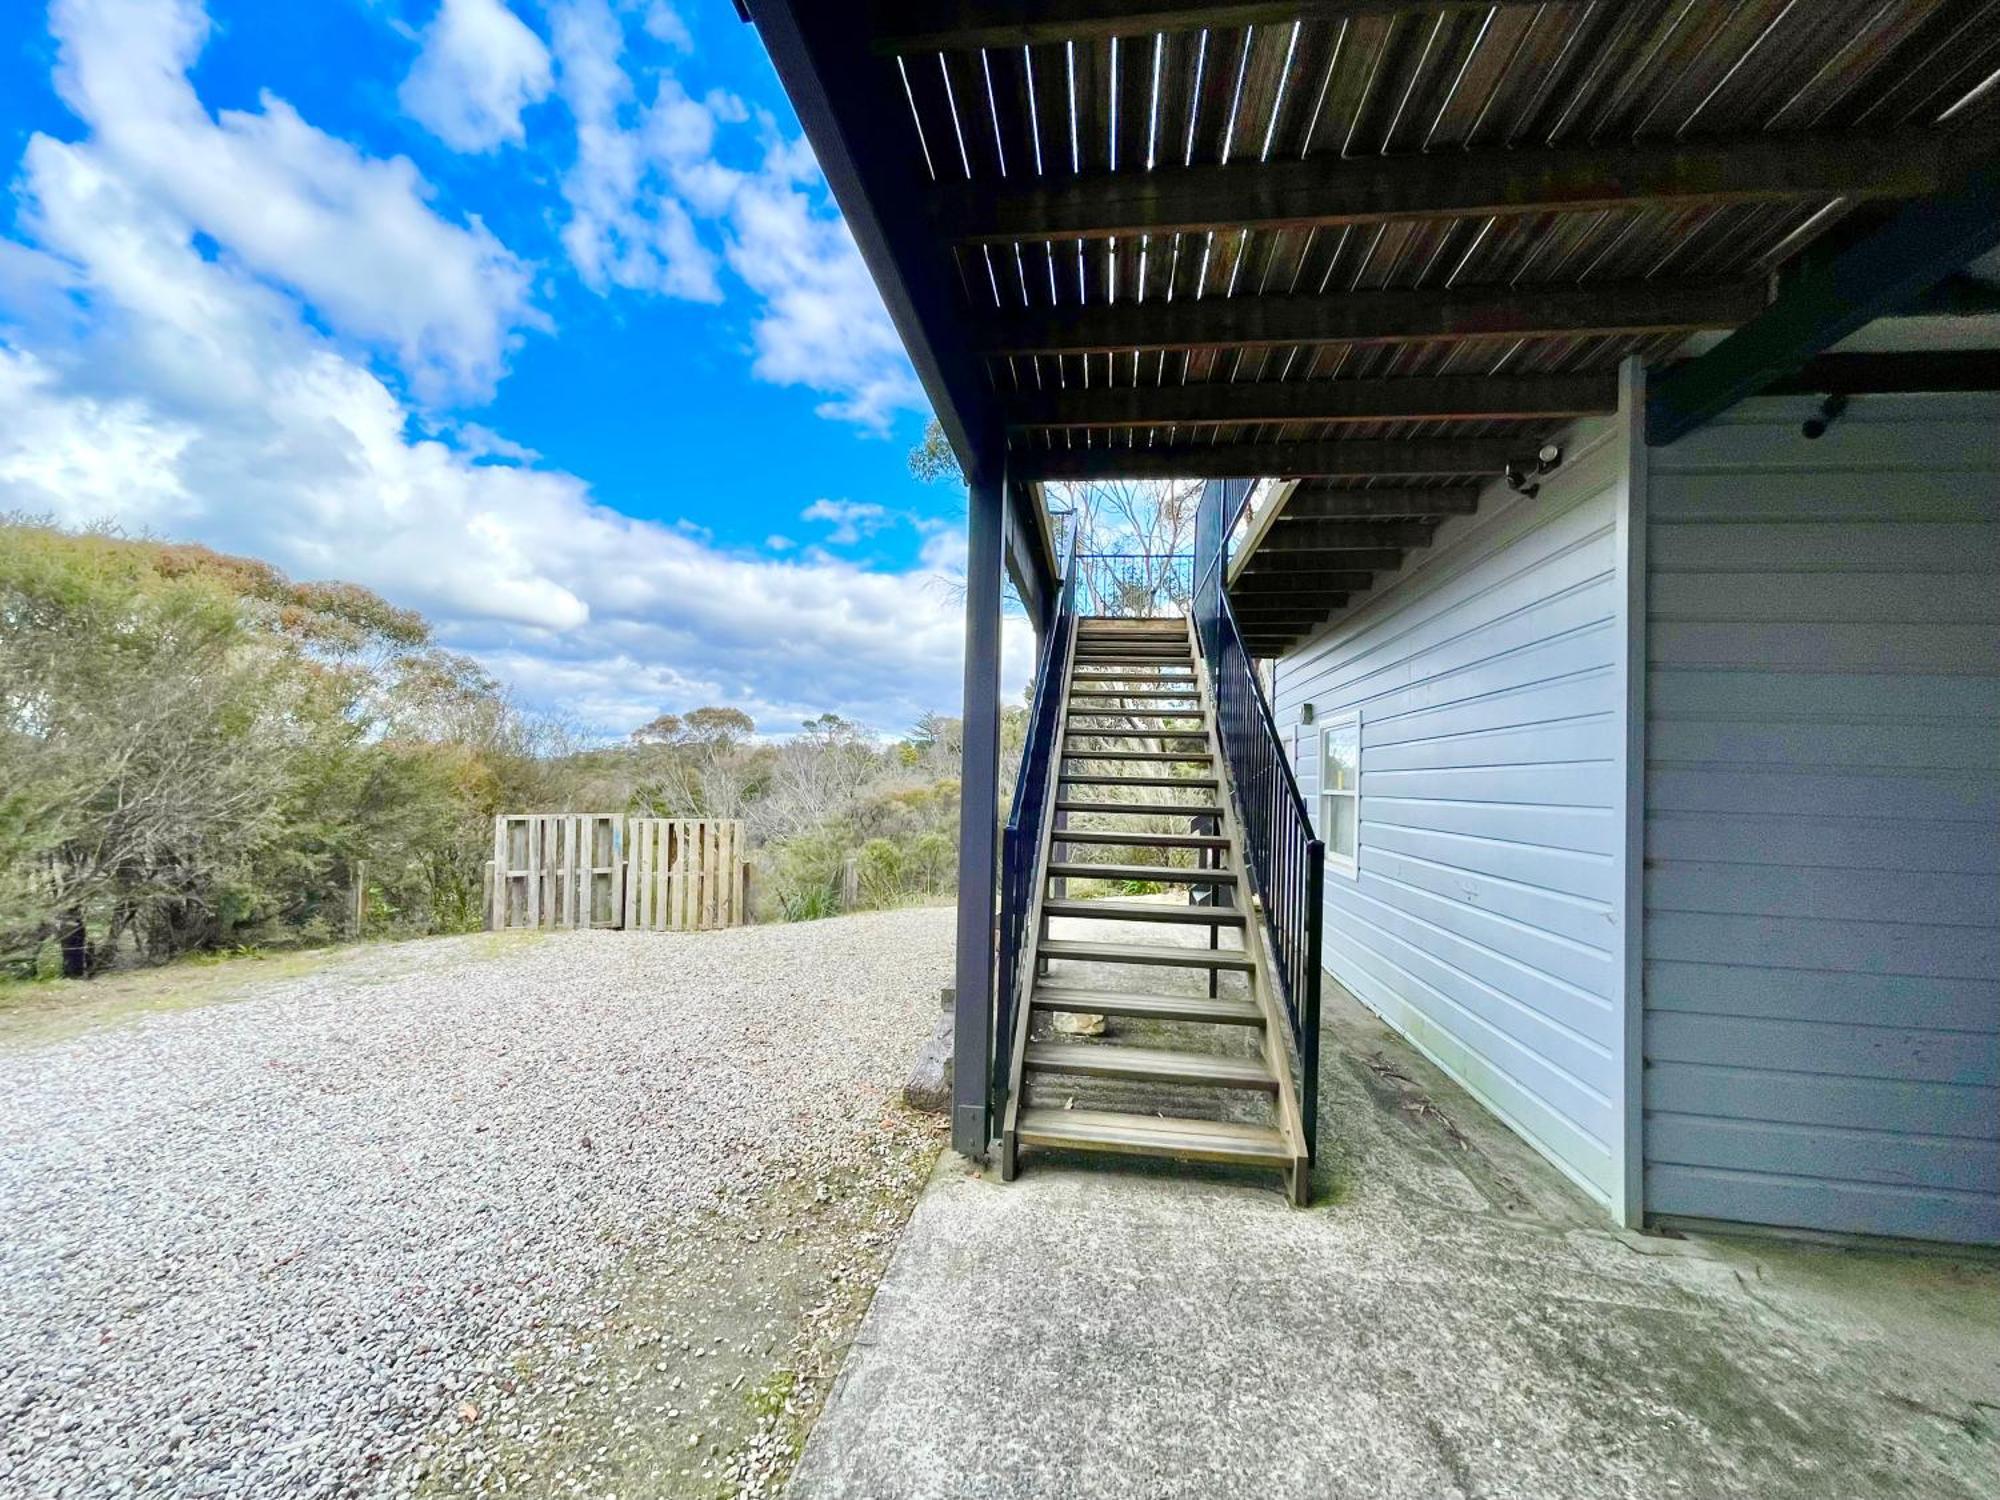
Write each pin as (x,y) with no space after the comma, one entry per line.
(1192,1064)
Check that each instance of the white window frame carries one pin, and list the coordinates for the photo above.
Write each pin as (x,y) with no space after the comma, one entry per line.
(1344,864)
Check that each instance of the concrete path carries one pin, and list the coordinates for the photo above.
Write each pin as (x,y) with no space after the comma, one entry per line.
(1452,1320)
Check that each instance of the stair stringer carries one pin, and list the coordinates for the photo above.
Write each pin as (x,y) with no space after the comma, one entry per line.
(1257,942)
(1024,981)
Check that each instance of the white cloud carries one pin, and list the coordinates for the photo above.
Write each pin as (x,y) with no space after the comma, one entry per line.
(822,324)
(627,228)
(354,235)
(479,68)
(648,186)
(851,520)
(146,382)
(664,24)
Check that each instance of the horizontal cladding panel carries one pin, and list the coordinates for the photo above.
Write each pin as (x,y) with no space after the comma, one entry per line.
(1519,1085)
(1855,548)
(1677,691)
(1565,872)
(1588,737)
(1555,683)
(1594,783)
(1806,943)
(1896,746)
(1927,796)
(1820,598)
(1879,1156)
(1550,974)
(1845,843)
(1458,610)
(1823,996)
(1831,894)
(1824,1048)
(1823,818)
(1583,830)
(1830,646)
(1523,896)
(1856,495)
(1962,438)
(1744,1093)
(1814,1203)
(1530,645)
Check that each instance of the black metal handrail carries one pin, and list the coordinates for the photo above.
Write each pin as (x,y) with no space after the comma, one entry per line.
(1283,857)
(1023,839)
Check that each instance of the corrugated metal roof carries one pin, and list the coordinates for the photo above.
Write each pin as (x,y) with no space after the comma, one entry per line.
(1519,78)
(1505,76)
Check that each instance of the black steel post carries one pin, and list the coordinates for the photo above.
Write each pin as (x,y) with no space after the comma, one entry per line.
(978,816)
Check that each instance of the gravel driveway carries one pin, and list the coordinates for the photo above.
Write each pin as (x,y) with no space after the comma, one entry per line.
(592,1213)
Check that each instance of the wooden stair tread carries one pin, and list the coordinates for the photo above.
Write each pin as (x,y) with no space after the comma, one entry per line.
(1139,911)
(1149,1065)
(1192,783)
(1140,1006)
(1131,734)
(1141,840)
(1152,955)
(1161,873)
(1161,755)
(1153,1135)
(1136,808)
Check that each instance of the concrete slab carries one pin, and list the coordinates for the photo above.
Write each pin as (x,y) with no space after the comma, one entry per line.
(1452,1320)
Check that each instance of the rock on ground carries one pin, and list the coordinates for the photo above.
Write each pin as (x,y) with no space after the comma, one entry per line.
(592,1214)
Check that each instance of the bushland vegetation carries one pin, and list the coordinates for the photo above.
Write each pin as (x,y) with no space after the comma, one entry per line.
(199,754)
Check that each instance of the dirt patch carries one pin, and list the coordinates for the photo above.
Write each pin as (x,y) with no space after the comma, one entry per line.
(710,1349)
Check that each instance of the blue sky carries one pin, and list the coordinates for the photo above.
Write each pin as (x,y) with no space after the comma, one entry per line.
(533,314)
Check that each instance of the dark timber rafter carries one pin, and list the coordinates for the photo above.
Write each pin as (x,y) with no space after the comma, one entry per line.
(941,25)
(1335,190)
(1383,560)
(1344,505)
(1290,590)
(1336,536)
(1480,456)
(1371,318)
(1452,397)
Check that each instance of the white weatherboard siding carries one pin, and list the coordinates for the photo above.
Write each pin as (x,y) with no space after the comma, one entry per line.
(1486,918)
(1823,820)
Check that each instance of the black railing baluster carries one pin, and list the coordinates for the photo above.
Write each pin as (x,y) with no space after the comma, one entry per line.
(1286,860)
(1021,842)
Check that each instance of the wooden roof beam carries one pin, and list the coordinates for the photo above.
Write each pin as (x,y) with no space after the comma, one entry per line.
(1480,456)
(1291,535)
(1347,505)
(902,26)
(1279,588)
(1444,398)
(1392,317)
(1331,190)
(1321,566)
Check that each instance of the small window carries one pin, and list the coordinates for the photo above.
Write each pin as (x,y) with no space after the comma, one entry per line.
(1340,792)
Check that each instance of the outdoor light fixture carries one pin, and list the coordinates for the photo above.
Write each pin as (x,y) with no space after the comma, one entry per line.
(1305,713)
(1522,476)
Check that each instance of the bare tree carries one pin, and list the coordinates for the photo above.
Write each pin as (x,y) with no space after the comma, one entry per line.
(1140,537)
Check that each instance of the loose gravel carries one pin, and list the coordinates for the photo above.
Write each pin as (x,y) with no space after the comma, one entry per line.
(593,1214)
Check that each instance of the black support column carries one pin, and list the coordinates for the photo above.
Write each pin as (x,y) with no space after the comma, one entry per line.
(979,814)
